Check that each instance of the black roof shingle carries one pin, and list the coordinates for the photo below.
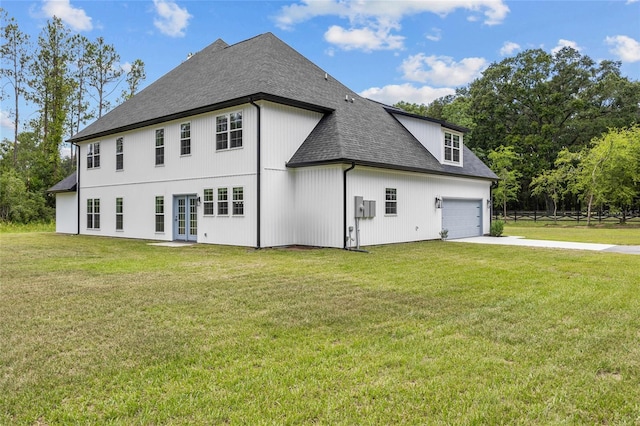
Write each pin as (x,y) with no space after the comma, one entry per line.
(353,129)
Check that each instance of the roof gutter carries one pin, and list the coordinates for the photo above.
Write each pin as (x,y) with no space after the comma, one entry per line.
(344,203)
(258,167)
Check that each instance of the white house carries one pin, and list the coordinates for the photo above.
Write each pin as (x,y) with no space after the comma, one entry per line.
(252,144)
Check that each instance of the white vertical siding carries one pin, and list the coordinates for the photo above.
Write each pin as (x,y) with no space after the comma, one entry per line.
(141,180)
(318,207)
(429,134)
(284,129)
(67,212)
(417,217)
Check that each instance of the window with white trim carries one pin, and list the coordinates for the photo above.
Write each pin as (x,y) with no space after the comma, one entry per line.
(223,201)
(452,148)
(93,213)
(159,147)
(185,139)
(208,202)
(160,214)
(391,201)
(93,155)
(238,201)
(119,214)
(119,153)
(229,131)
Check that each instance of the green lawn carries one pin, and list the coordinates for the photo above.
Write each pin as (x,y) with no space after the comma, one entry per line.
(605,234)
(100,330)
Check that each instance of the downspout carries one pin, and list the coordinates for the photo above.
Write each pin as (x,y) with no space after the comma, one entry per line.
(258,167)
(344,202)
(77,186)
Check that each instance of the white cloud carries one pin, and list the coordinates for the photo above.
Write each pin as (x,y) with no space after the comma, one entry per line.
(436,34)
(76,18)
(125,67)
(442,70)
(366,39)
(626,48)
(407,92)
(632,1)
(508,48)
(172,20)
(372,21)
(565,43)
(6,122)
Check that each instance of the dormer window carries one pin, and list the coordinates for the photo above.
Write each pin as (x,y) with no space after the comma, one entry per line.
(452,148)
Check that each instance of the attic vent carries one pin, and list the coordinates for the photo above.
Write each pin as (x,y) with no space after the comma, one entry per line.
(326,76)
(189,55)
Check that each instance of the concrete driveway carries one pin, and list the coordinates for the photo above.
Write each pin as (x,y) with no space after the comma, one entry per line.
(524,242)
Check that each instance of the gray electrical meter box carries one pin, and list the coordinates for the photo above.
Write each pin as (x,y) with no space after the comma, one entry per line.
(364,208)
(359,207)
(369,208)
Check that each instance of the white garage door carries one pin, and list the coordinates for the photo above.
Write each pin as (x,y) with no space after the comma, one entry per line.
(463,218)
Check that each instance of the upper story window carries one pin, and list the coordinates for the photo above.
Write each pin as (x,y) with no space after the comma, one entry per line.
(391,201)
(119,154)
(452,148)
(93,155)
(208,202)
(185,139)
(159,147)
(229,131)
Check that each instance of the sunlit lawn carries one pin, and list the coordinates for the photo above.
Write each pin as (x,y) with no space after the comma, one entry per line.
(100,330)
(609,233)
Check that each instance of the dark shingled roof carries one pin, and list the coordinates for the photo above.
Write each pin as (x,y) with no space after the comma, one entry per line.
(355,130)
(68,184)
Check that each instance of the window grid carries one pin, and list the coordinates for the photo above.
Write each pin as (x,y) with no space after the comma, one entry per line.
(119,214)
(93,155)
(208,202)
(119,154)
(159,147)
(451,147)
(229,131)
(159,214)
(223,201)
(93,213)
(391,201)
(185,139)
(238,201)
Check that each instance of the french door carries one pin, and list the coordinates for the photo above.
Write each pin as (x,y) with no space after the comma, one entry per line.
(185,214)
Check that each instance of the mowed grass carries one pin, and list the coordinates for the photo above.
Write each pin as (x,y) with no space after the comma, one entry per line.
(100,330)
(627,234)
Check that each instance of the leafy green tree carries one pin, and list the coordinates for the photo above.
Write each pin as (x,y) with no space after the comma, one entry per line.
(503,161)
(539,104)
(51,85)
(103,70)
(135,77)
(413,108)
(609,172)
(15,53)
(556,183)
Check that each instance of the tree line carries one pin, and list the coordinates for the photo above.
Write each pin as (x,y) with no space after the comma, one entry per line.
(560,130)
(69,80)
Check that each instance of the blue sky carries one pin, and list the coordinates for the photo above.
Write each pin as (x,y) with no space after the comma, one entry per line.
(388,50)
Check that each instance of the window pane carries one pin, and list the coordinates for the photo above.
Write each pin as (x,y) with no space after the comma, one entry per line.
(160,137)
(221,124)
(160,155)
(236,139)
(221,141)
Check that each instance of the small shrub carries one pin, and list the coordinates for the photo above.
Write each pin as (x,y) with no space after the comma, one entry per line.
(497,228)
(444,234)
